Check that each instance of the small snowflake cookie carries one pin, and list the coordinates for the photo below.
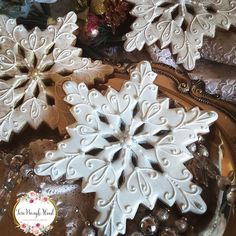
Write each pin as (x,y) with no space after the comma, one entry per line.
(129,147)
(181,24)
(33,66)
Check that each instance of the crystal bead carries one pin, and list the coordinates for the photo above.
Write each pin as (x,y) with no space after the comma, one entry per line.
(181,225)
(162,214)
(202,150)
(192,148)
(25,170)
(200,139)
(231,195)
(148,225)
(8,185)
(2,211)
(16,162)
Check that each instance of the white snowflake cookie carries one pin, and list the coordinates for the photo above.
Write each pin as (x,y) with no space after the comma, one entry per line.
(181,24)
(33,66)
(129,147)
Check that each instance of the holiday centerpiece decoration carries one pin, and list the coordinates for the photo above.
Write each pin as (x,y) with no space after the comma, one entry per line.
(181,24)
(33,66)
(130,148)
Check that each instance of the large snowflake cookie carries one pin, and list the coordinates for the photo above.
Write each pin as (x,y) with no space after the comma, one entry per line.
(181,24)
(129,147)
(33,66)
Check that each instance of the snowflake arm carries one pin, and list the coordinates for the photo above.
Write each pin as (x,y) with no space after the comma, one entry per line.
(178,24)
(116,142)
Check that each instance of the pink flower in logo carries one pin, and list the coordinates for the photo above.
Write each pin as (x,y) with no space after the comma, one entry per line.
(36,231)
(35,228)
(23,226)
(32,193)
(45,199)
(31,200)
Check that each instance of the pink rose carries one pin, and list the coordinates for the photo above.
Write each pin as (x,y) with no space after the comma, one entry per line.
(45,199)
(36,231)
(23,226)
(37,225)
(32,193)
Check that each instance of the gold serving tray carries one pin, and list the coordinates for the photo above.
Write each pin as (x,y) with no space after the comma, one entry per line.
(177,86)
(173,84)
